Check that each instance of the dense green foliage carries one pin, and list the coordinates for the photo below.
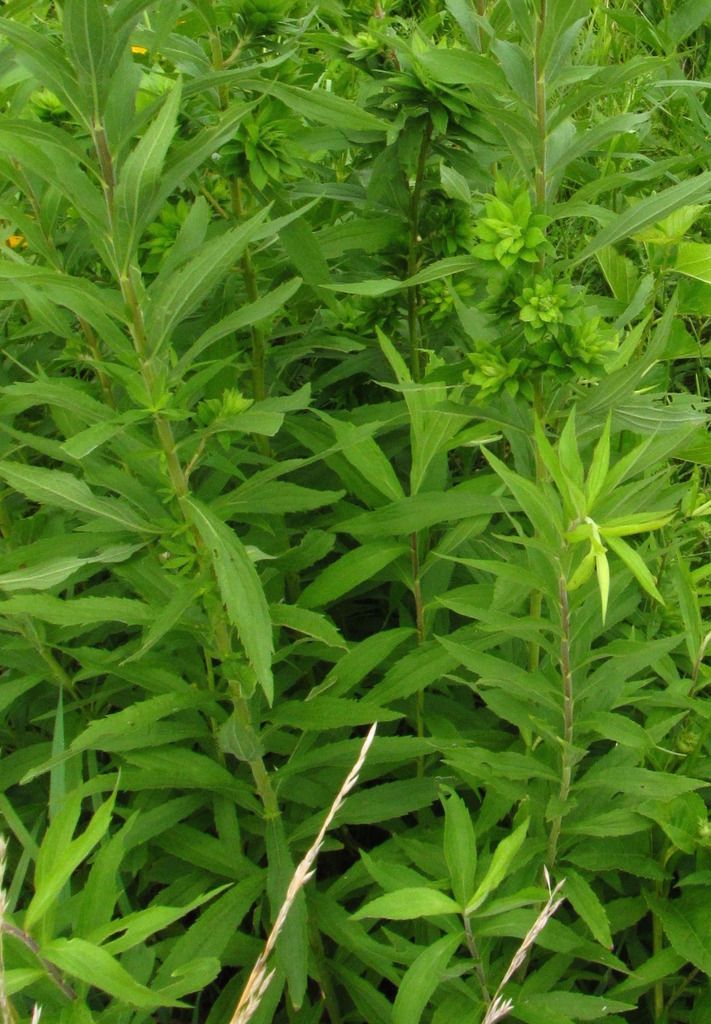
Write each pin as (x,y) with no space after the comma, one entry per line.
(353,371)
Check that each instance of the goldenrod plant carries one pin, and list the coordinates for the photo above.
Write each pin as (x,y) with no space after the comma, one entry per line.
(354,371)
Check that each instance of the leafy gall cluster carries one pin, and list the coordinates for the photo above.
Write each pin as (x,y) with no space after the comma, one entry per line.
(509,230)
(540,326)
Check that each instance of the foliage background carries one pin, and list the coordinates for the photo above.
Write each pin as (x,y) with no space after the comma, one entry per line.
(354,370)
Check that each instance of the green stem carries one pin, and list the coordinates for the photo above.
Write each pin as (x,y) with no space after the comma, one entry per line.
(413,327)
(176,472)
(218,63)
(566,767)
(536,600)
(259,345)
(481,11)
(476,957)
(420,626)
(541,120)
(661,890)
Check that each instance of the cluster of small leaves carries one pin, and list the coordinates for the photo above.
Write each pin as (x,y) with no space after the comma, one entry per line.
(545,326)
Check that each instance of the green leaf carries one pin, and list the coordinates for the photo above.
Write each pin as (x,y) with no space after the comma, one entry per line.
(367,457)
(641,783)
(602,572)
(693,259)
(187,157)
(324,712)
(588,907)
(648,211)
(44,60)
(79,611)
(568,453)
(241,590)
(209,934)
(60,855)
(350,571)
(172,299)
(324,107)
(179,768)
(635,564)
(459,846)
(538,503)
(497,870)
(422,978)
(685,19)
(597,474)
(94,966)
(620,273)
(78,446)
(408,904)
(62,490)
(307,622)
(135,928)
(454,66)
(87,37)
(185,594)
(683,923)
(50,574)
(418,512)
(251,313)
(141,172)
(377,804)
(569,1007)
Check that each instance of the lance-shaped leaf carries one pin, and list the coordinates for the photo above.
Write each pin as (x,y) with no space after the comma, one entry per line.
(648,211)
(635,564)
(141,173)
(94,966)
(407,904)
(62,490)
(60,855)
(44,60)
(240,589)
(87,38)
(323,107)
(498,868)
(50,573)
(422,978)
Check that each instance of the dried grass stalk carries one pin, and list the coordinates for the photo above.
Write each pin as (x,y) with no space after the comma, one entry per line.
(500,1007)
(259,979)
(7,1014)
(5,1010)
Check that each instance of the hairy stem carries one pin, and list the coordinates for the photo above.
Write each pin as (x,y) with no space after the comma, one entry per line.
(476,957)
(420,627)
(540,92)
(480,6)
(179,478)
(52,972)
(259,345)
(566,769)
(413,326)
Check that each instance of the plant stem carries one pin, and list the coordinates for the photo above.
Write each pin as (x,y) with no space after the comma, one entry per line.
(420,627)
(178,476)
(476,957)
(53,973)
(413,328)
(259,345)
(566,770)
(480,6)
(417,588)
(540,91)
(536,599)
